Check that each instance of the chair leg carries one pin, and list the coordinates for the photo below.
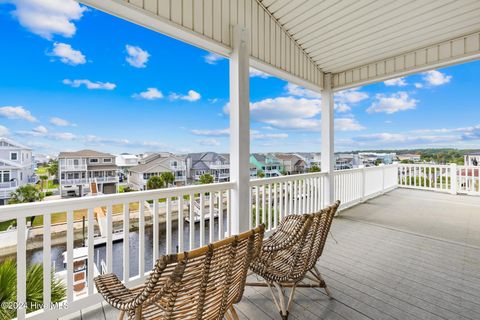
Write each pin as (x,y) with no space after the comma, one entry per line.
(231,314)
(121,315)
(323,284)
(283,306)
(138,313)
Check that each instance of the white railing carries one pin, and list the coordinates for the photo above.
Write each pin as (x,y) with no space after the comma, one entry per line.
(104,179)
(427,177)
(161,208)
(219,166)
(66,182)
(8,185)
(356,185)
(73,167)
(273,198)
(443,178)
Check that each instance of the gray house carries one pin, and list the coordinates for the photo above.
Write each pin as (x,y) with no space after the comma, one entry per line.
(215,164)
(154,165)
(17,167)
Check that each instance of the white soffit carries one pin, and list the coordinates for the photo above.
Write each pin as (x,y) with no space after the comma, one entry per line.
(362,41)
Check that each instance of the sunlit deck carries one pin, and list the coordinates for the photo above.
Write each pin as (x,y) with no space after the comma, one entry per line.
(405,255)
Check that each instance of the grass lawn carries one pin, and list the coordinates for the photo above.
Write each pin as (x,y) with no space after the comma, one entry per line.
(41,171)
(5,224)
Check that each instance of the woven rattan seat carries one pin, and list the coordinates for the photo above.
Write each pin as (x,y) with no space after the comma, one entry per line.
(200,284)
(288,258)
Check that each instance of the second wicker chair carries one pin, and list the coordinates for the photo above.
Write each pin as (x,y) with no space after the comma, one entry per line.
(200,284)
(289,256)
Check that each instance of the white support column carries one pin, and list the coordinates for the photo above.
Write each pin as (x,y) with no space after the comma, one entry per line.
(240,130)
(328,156)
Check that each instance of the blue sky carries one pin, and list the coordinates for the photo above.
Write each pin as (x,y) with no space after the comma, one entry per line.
(74,77)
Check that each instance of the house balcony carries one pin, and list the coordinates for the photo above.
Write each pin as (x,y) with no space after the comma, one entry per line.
(399,238)
(179,167)
(73,167)
(219,166)
(105,179)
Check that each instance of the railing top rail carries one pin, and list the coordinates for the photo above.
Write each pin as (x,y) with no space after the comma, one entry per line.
(424,165)
(262,181)
(52,206)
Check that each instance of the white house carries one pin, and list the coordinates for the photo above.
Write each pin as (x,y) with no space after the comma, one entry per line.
(17,167)
(78,170)
(472,159)
(124,162)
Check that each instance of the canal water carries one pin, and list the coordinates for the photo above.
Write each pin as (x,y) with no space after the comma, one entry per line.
(36,256)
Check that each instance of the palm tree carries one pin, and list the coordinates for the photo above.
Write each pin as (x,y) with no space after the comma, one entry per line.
(34,282)
(155,182)
(206,178)
(25,194)
(168,178)
(53,168)
(43,179)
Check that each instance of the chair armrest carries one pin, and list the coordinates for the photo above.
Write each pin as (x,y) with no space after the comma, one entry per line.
(115,292)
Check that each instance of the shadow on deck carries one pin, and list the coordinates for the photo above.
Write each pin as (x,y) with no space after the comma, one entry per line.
(405,255)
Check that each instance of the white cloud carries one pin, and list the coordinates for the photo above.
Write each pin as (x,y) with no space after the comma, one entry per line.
(62,136)
(150,94)
(213,133)
(212,58)
(40,130)
(299,91)
(259,74)
(209,142)
(67,54)
(342,108)
(398,82)
(19,112)
(350,96)
(399,101)
(4,131)
(95,140)
(418,85)
(137,57)
(348,124)
(59,122)
(48,17)
(436,78)
(191,96)
(90,85)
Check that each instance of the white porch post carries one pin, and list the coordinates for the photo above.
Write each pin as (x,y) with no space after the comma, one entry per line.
(240,130)
(328,156)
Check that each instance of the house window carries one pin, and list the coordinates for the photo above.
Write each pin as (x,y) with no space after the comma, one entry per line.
(14,156)
(5,176)
(94,160)
(107,160)
(174,163)
(76,162)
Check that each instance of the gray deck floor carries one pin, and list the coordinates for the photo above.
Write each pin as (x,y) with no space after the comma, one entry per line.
(404,255)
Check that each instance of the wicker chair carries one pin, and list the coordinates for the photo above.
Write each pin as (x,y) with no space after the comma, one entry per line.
(288,258)
(200,284)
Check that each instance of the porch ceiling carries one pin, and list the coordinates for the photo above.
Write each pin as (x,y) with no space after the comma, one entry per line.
(358,41)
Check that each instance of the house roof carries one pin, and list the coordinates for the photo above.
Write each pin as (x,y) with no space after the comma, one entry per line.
(158,162)
(85,154)
(9,164)
(201,160)
(13,144)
